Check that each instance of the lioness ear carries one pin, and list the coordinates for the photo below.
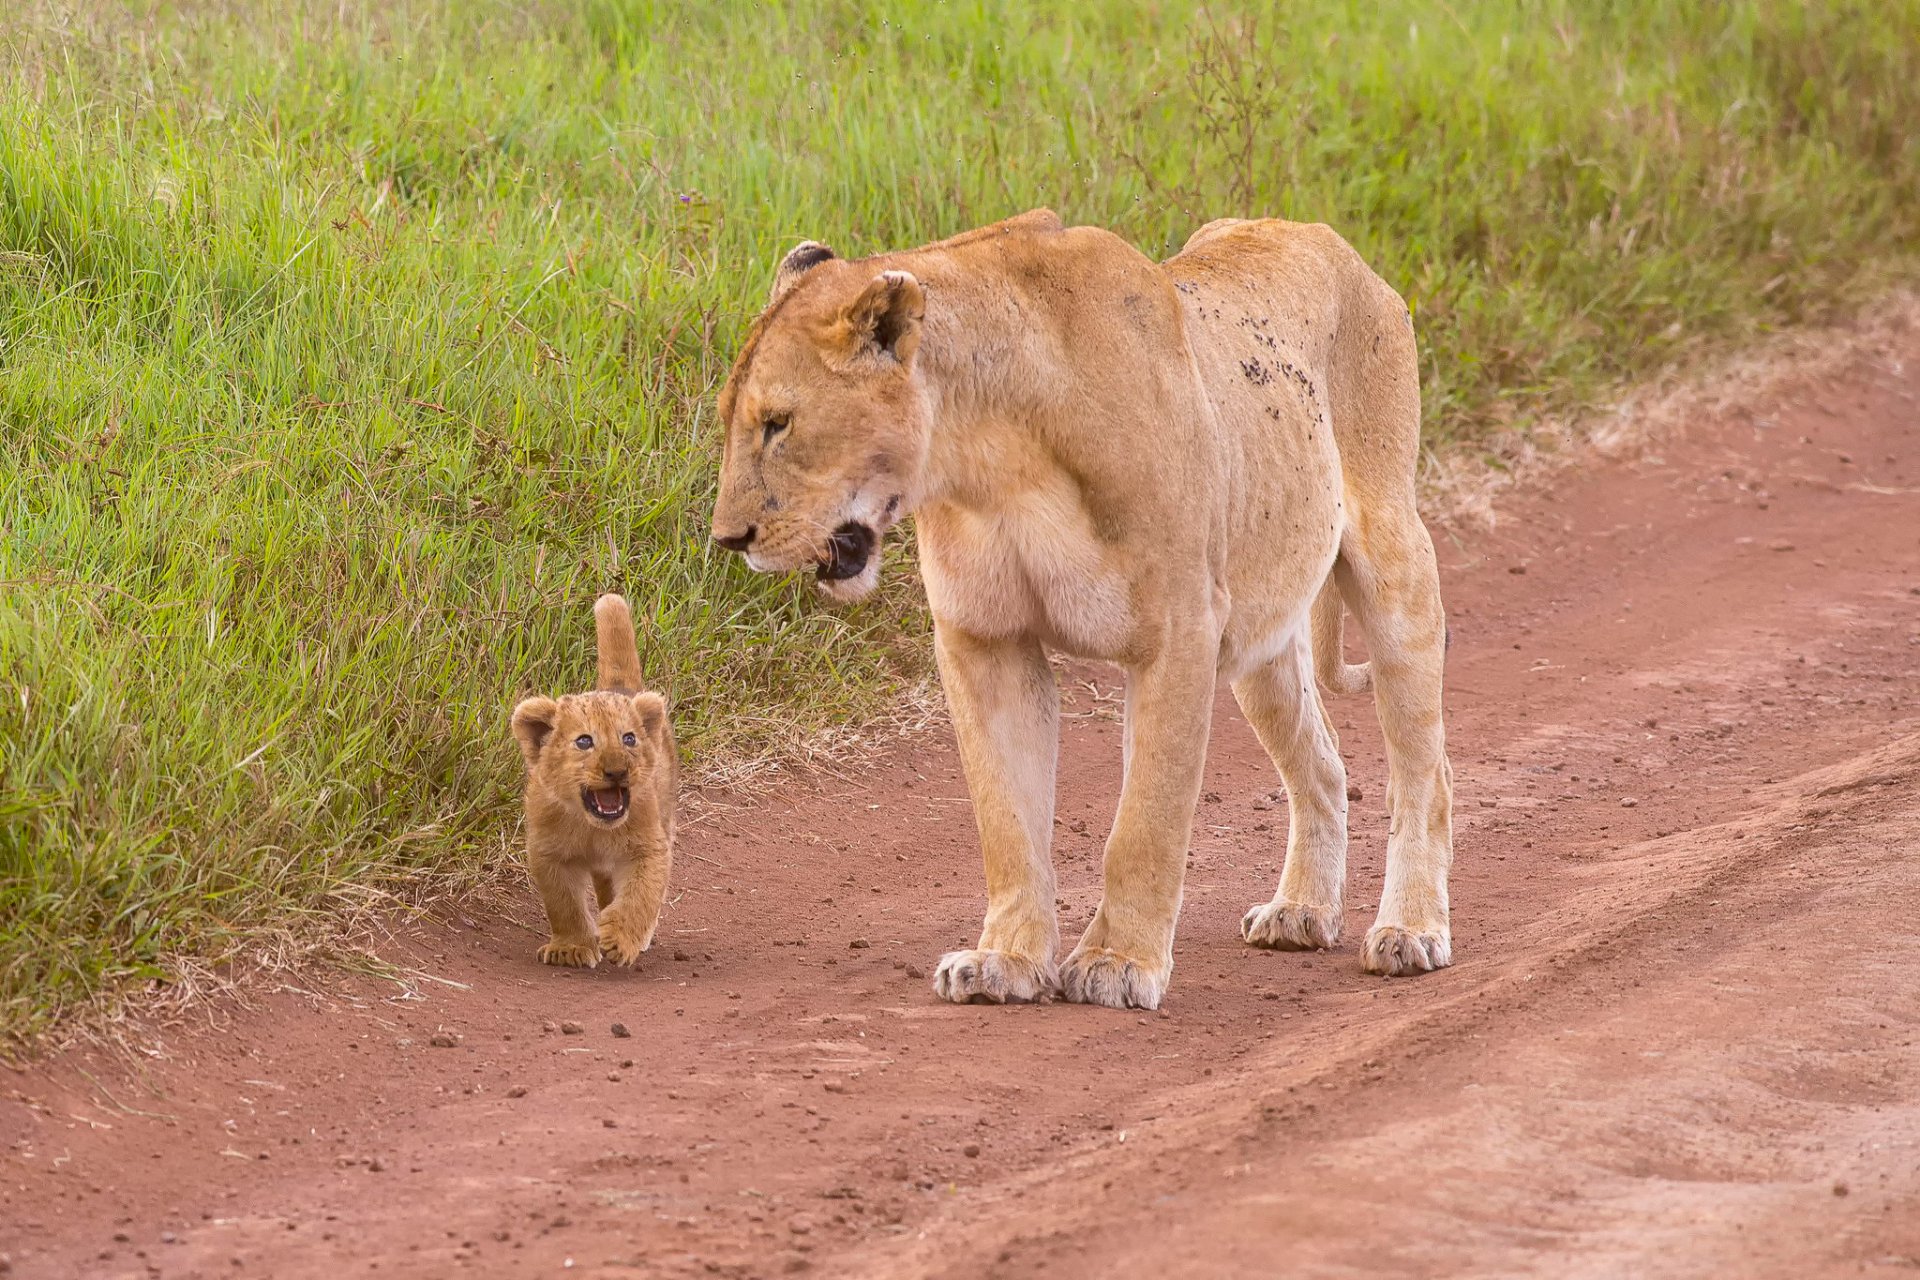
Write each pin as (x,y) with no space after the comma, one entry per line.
(885,319)
(801,259)
(533,725)
(653,712)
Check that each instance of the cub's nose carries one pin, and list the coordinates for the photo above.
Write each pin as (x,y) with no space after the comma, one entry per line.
(736,541)
(616,775)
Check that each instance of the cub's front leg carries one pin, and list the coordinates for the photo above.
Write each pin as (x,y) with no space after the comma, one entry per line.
(566,889)
(1125,958)
(1006,715)
(639,890)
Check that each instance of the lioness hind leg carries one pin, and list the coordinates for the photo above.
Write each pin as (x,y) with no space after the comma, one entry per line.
(567,891)
(1393,584)
(1283,705)
(1006,715)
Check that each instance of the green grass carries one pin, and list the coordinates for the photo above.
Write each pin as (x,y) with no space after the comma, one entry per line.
(348,349)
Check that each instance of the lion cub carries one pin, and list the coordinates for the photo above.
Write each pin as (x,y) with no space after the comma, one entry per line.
(602,773)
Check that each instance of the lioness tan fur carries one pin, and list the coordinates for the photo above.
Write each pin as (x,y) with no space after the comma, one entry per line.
(602,777)
(1184,468)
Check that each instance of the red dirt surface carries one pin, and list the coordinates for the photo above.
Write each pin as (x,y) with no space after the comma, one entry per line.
(1679,1038)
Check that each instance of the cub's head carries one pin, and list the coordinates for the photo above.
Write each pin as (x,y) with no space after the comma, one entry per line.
(586,751)
(827,427)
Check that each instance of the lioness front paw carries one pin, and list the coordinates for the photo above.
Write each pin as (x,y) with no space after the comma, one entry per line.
(1096,975)
(992,977)
(1292,926)
(578,955)
(1396,951)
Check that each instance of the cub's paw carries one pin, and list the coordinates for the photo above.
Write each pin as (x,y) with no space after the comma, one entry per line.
(1291,926)
(623,945)
(578,955)
(1096,975)
(992,977)
(1396,951)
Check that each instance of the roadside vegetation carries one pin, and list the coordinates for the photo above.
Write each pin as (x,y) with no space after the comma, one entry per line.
(348,349)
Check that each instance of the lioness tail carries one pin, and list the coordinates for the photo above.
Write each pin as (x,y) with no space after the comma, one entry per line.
(619,654)
(1330,667)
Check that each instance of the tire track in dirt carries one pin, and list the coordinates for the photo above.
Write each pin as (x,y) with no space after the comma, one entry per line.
(1683,724)
(1479,1165)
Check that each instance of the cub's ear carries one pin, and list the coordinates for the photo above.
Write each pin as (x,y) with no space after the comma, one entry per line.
(653,713)
(884,321)
(801,259)
(533,725)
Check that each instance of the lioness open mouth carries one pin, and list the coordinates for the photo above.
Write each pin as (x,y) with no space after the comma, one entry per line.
(848,551)
(605,803)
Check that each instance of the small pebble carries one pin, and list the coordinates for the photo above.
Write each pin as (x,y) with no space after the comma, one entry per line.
(572,1029)
(442,1040)
(1628,802)
(915,971)
(800,1225)
(681,955)
(610,1123)
(1353,794)
(376,1165)
(518,1091)
(971,1151)
(1840,1188)
(620,1031)
(859,944)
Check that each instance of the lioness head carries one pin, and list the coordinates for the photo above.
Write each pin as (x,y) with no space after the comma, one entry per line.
(827,427)
(586,750)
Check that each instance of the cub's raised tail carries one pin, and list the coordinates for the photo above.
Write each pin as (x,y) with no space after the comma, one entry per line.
(619,653)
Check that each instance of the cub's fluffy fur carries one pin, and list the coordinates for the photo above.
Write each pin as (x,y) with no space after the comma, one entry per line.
(602,773)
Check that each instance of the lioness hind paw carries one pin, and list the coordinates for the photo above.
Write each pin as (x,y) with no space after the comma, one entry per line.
(577,955)
(1291,926)
(1396,951)
(992,977)
(1099,976)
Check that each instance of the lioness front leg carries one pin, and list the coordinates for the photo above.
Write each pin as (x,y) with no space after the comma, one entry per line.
(1006,715)
(1125,958)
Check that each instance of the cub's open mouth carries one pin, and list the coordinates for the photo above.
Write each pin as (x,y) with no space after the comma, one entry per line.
(605,803)
(848,551)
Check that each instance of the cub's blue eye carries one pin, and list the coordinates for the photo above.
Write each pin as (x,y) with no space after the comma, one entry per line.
(584,742)
(629,740)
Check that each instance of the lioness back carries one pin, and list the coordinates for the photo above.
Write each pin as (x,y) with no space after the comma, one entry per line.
(1293,302)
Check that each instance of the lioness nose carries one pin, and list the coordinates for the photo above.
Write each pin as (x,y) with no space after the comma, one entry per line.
(736,541)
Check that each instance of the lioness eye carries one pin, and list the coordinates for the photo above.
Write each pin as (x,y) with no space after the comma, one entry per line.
(584,742)
(629,740)
(772,425)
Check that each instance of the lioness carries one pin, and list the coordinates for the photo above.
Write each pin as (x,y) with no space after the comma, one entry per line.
(1182,468)
(602,781)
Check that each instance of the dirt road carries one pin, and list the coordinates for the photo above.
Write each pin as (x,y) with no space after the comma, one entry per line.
(1679,1038)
